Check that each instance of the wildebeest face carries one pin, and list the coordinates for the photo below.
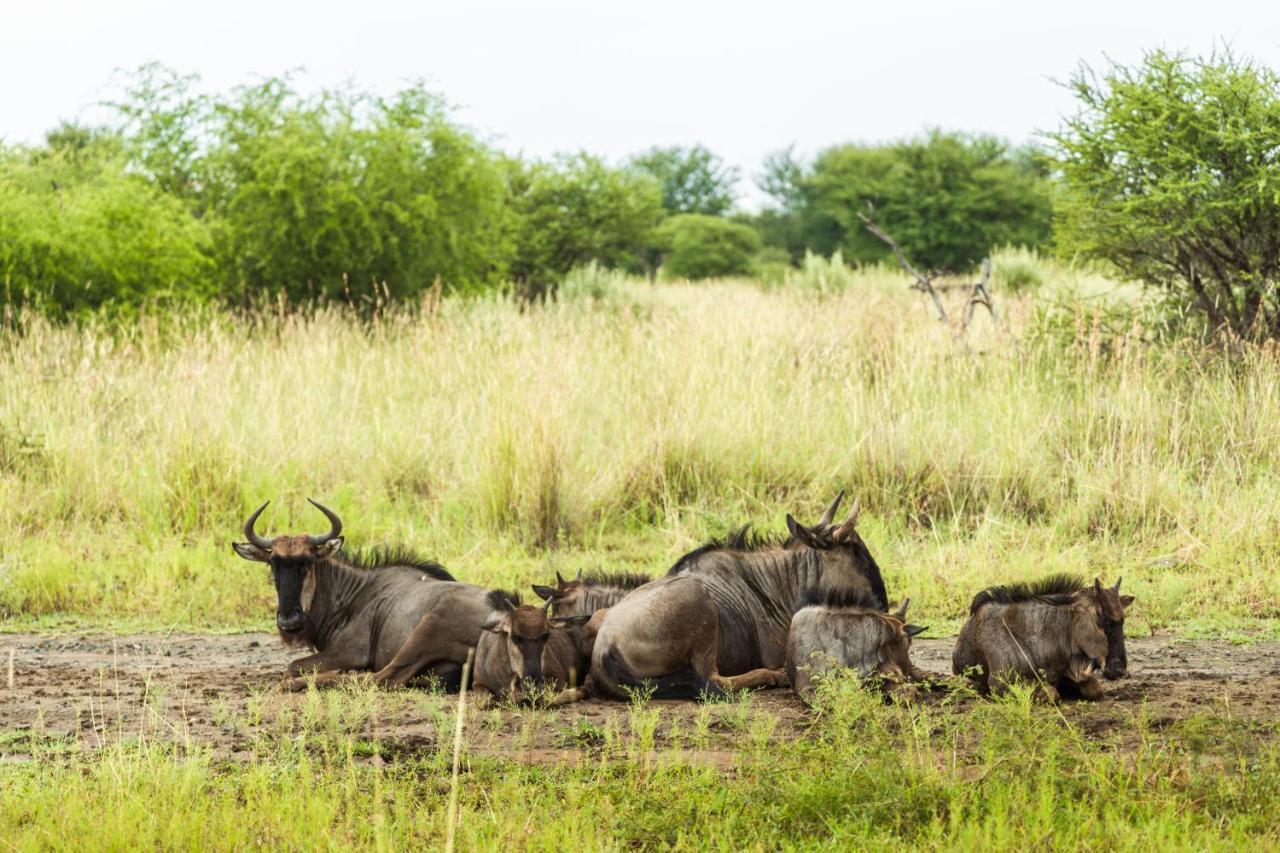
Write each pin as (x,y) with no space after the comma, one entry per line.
(293,560)
(895,653)
(1110,609)
(525,631)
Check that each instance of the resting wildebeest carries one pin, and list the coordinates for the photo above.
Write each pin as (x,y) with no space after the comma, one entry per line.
(393,614)
(523,647)
(835,629)
(719,619)
(1056,631)
(589,593)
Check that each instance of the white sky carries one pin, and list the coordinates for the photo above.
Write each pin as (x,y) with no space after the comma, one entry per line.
(744,78)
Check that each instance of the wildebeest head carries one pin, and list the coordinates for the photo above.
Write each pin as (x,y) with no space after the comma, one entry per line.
(895,657)
(1110,608)
(526,630)
(846,558)
(293,560)
(567,596)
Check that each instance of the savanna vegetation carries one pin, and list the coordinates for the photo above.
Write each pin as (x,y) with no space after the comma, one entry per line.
(520,367)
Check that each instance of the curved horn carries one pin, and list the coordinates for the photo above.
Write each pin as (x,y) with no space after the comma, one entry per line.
(1117,586)
(560,578)
(902,611)
(830,515)
(510,605)
(845,530)
(579,577)
(335,524)
(550,601)
(251,534)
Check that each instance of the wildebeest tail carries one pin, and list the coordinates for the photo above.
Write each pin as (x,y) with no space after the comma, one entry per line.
(684,683)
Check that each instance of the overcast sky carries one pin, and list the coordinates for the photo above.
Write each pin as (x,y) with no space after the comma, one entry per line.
(744,78)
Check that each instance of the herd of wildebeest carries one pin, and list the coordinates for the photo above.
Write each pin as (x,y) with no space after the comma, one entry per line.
(743,612)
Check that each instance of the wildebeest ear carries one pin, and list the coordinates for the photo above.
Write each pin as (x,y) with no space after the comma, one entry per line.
(1126,600)
(546,593)
(251,552)
(496,625)
(328,549)
(567,621)
(802,533)
(912,630)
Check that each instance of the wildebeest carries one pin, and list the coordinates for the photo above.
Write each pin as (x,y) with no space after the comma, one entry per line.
(835,629)
(524,647)
(1056,631)
(390,613)
(719,619)
(589,593)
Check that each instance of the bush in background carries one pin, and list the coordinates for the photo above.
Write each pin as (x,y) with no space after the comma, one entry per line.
(577,209)
(79,231)
(947,199)
(698,246)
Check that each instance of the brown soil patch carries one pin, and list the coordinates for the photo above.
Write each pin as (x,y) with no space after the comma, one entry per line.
(222,690)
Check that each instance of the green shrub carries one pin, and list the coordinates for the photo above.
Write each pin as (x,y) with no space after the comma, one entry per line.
(574,210)
(699,246)
(78,231)
(947,199)
(821,274)
(1017,268)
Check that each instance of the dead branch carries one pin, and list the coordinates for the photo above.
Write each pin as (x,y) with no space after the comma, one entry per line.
(923,283)
(981,295)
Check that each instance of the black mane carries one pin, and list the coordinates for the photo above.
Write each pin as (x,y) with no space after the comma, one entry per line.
(1054,589)
(743,539)
(373,559)
(498,598)
(839,598)
(621,580)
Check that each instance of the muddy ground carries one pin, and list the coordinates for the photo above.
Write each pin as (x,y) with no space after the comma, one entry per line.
(84,690)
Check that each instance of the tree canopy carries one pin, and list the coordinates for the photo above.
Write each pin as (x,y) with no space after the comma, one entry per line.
(1171,173)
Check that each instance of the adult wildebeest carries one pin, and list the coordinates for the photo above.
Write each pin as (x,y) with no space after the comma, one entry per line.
(1056,631)
(589,593)
(836,629)
(390,613)
(719,619)
(523,647)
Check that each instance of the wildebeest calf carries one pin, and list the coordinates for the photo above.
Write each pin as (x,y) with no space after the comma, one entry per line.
(836,629)
(1057,631)
(523,647)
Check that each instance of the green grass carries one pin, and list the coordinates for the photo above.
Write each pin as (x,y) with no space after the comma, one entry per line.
(618,427)
(620,430)
(1006,774)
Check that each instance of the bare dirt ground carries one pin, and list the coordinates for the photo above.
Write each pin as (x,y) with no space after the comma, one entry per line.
(223,691)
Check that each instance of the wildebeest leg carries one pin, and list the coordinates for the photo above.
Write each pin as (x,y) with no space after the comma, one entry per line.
(749,680)
(484,696)
(1090,689)
(320,679)
(574,694)
(319,662)
(428,643)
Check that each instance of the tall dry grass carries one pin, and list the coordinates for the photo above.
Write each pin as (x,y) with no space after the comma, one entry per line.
(620,427)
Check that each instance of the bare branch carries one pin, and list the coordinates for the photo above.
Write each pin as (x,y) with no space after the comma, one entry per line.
(923,283)
(981,295)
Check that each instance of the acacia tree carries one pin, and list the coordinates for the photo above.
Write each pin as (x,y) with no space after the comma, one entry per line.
(693,180)
(1171,172)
